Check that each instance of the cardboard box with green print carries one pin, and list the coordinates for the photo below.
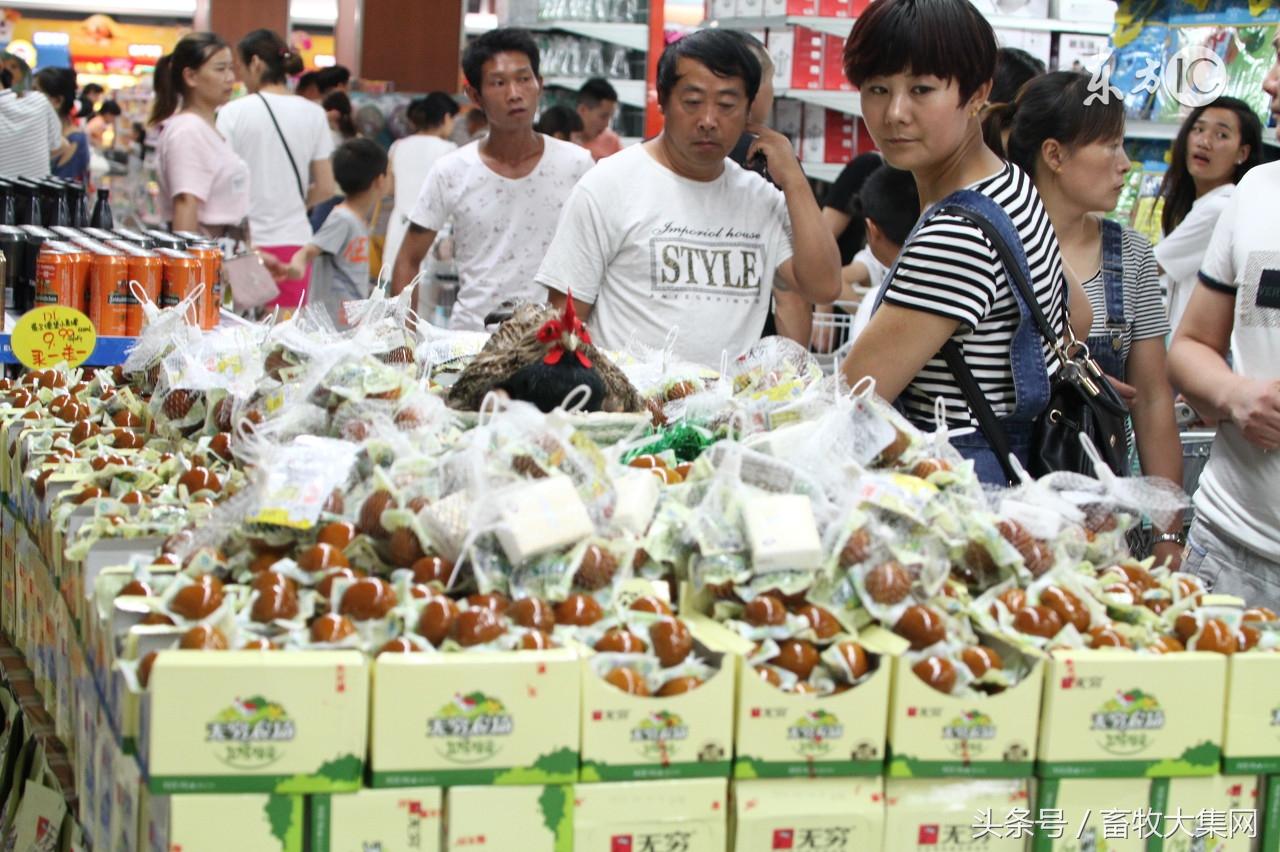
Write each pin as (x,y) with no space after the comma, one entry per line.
(837,814)
(689,814)
(1251,741)
(931,815)
(248,822)
(532,818)
(1220,813)
(402,819)
(1091,814)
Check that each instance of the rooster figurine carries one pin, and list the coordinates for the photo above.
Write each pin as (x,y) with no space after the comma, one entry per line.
(540,355)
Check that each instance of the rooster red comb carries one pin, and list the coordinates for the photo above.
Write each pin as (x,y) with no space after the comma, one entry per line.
(565,333)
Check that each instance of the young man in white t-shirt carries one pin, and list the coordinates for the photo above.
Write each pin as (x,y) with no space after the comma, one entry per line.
(1234,544)
(503,193)
(672,235)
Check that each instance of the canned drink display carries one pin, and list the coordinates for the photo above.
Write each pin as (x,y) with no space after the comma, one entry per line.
(136,238)
(59,275)
(164,239)
(109,294)
(182,274)
(211,274)
(146,273)
(24,297)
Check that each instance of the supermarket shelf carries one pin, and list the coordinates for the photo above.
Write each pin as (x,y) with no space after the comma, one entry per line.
(848,102)
(630,92)
(1168,130)
(841,26)
(823,171)
(630,36)
(106,352)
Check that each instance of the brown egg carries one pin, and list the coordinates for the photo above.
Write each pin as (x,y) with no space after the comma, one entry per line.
(102,462)
(927,467)
(1186,626)
(263,562)
(536,640)
(888,583)
(1247,637)
(627,681)
(322,557)
(679,686)
(646,462)
(1189,587)
(144,669)
(398,645)
(277,599)
(337,534)
(133,498)
(200,479)
(1215,636)
(683,470)
(1106,636)
(325,587)
(578,611)
(803,687)
(769,675)
(596,569)
(937,672)
(1156,605)
(1013,600)
(855,658)
(477,627)
(1037,621)
(1259,614)
(335,505)
(920,626)
(1166,645)
(617,640)
(890,454)
(796,656)
(125,439)
(1036,554)
(137,587)
(979,659)
(331,628)
(533,613)
(857,549)
(202,637)
(433,569)
(156,619)
(1068,607)
(403,548)
(680,390)
(83,431)
(259,644)
(495,601)
(368,598)
(371,513)
(652,604)
(765,610)
(671,641)
(1139,576)
(220,445)
(198,600)
(436,620)
(824,624)
(126,419)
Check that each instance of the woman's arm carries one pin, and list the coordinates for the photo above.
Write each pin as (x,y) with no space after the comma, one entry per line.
(322,185)
(895,346)
(186,212)
(1156,432)
(837,220)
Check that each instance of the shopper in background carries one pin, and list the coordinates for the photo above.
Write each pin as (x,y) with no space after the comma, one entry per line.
(474,125)
(204,184)
(30,132)
(1075,153)
(90,96)
(924,68)
(309,86)
(340,248)
(840,204)
(1014,67)
(285,141)
(337,111)
(102,121)
(19,71)
(1234,543)
(503,194)
(597,105)
(1216,146)
(59,86)
(700,243)
(890,206)
(335,78)
(560,122)
(412,158)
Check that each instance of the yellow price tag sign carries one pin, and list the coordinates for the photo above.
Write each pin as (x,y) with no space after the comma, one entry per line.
(53,334)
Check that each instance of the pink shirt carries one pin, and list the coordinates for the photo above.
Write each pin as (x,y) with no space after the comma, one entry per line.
(195,159)
(604,145)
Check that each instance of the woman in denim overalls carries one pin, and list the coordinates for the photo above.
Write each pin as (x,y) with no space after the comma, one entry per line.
(1073,147)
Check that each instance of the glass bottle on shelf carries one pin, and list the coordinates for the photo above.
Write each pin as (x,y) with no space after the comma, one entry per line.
(102,217)
(618,67)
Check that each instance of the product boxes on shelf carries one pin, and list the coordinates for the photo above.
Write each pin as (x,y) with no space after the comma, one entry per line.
(1086,813)
(218,823)
(629,737)
(528,819)
(841,138)
(779,8)
(1223,809)
(842,9)
(488,718)
(808,813)
(688,814)
(813,136)
(409,819)
(833,79)
(933,735)
(1251,742)
(1114,713)
(926,815)
(245,721)
(788,119)
(798,56)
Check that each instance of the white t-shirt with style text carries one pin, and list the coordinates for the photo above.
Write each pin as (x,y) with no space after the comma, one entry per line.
(277,211)
(653,251)
(1240,486)
(501,226)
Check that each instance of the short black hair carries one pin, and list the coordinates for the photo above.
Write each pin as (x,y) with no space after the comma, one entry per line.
(595,92)
(488,45)
(723,52)
(109,107)
(307,80)
(60,83)
(357,163)
(91,89)
(949,39)
(890,199)
(559,119)
(431,110)
(332,77)
(1013,68)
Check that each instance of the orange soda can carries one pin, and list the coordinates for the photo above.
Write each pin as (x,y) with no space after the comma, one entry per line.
(109,295)
(55,278)
(146,273)
(182,274)
(210,257)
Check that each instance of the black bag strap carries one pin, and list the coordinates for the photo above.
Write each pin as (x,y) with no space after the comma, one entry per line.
(987,420)
(297,176)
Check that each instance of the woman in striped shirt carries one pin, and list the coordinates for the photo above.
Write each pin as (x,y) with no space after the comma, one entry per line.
(924,68)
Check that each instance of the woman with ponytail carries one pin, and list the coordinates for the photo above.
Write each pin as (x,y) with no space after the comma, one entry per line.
(285,140)
(59,86)
(204,186)
(1073,147)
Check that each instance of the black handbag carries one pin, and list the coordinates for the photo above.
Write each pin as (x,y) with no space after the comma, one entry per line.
(1081,400)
